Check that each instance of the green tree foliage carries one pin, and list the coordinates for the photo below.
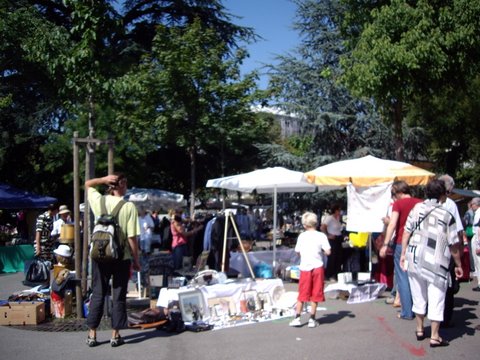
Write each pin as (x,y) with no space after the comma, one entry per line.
(31,112)
(61,63)
(306,84)
(192,96)
(404,54)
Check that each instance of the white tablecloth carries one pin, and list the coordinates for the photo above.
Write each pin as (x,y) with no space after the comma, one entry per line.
(231,289)
(237,260)
(358,294)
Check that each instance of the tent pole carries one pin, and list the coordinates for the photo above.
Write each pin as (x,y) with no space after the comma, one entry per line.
(370,255)
(227,213)
(274,262)
(247,260)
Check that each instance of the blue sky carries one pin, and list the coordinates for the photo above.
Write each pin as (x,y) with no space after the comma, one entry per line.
(272,20)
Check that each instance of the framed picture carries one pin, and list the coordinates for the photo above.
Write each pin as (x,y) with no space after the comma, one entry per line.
(222,306)
(265,300)
(193,306)
(252,301)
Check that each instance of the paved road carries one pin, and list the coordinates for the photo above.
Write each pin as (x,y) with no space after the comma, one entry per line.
(361,331)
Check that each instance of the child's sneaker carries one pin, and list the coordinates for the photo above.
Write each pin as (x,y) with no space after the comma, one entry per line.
(312,323)
(295,322)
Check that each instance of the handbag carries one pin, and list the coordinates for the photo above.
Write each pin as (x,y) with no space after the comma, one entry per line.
(38,272)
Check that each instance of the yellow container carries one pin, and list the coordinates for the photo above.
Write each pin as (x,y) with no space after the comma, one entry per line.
(358,239)
(67,234)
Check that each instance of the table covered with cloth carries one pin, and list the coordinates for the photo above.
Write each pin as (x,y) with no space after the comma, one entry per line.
(238,263)
(232,289)
(13,258)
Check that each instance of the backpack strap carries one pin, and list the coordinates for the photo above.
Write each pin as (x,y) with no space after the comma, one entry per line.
(117,208)
(103,207)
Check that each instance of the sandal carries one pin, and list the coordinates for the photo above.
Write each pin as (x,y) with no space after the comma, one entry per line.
(117,341)
(403,317)
(420,335)
(438,343)
(91,341)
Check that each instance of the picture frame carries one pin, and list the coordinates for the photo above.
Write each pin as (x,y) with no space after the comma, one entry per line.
(265,299)
(222,306)
(252,300)
(193,306)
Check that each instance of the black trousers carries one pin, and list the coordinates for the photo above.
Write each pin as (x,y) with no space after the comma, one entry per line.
(119,272)
(335,260)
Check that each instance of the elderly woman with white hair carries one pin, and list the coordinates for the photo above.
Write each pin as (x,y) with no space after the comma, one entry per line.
(429,240)
(475,204)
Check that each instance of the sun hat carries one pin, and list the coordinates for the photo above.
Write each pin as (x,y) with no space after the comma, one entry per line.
(63,250)
(63,209)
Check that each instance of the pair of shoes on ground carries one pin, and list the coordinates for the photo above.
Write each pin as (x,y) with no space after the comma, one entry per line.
(476,288)
(433,342)
(114,342)
(312,323)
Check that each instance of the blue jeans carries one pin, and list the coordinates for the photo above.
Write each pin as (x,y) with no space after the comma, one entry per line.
(178,253)
(403,286)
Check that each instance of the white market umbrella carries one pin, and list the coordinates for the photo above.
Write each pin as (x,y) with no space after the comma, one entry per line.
(155,199)
(270,180)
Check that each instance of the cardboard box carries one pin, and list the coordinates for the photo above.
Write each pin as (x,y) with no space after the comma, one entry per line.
(22,313)
(156,280)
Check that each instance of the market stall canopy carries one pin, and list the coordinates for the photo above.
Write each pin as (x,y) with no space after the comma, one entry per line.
(367,171)
(14,199)
(269,180)
(465,193)
(155,199)
(265,180)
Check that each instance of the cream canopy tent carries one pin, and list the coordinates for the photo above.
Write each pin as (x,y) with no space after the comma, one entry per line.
(368,180)
(366,171)
(270,180)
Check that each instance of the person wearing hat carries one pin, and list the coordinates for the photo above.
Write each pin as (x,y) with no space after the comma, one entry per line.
(63,255)
(63,218)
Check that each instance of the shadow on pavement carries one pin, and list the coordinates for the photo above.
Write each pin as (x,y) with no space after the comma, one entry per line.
(333,318)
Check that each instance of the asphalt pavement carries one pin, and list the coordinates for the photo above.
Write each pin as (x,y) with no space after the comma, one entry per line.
(360,331)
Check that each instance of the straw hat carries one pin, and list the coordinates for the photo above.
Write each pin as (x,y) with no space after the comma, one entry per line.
(63,209)
(63,250)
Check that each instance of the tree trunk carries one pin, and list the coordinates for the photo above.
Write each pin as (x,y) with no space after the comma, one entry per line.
(192,154)
(398,130)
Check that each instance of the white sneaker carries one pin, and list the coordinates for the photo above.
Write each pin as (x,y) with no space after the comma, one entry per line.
(295,322)
(312,323)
